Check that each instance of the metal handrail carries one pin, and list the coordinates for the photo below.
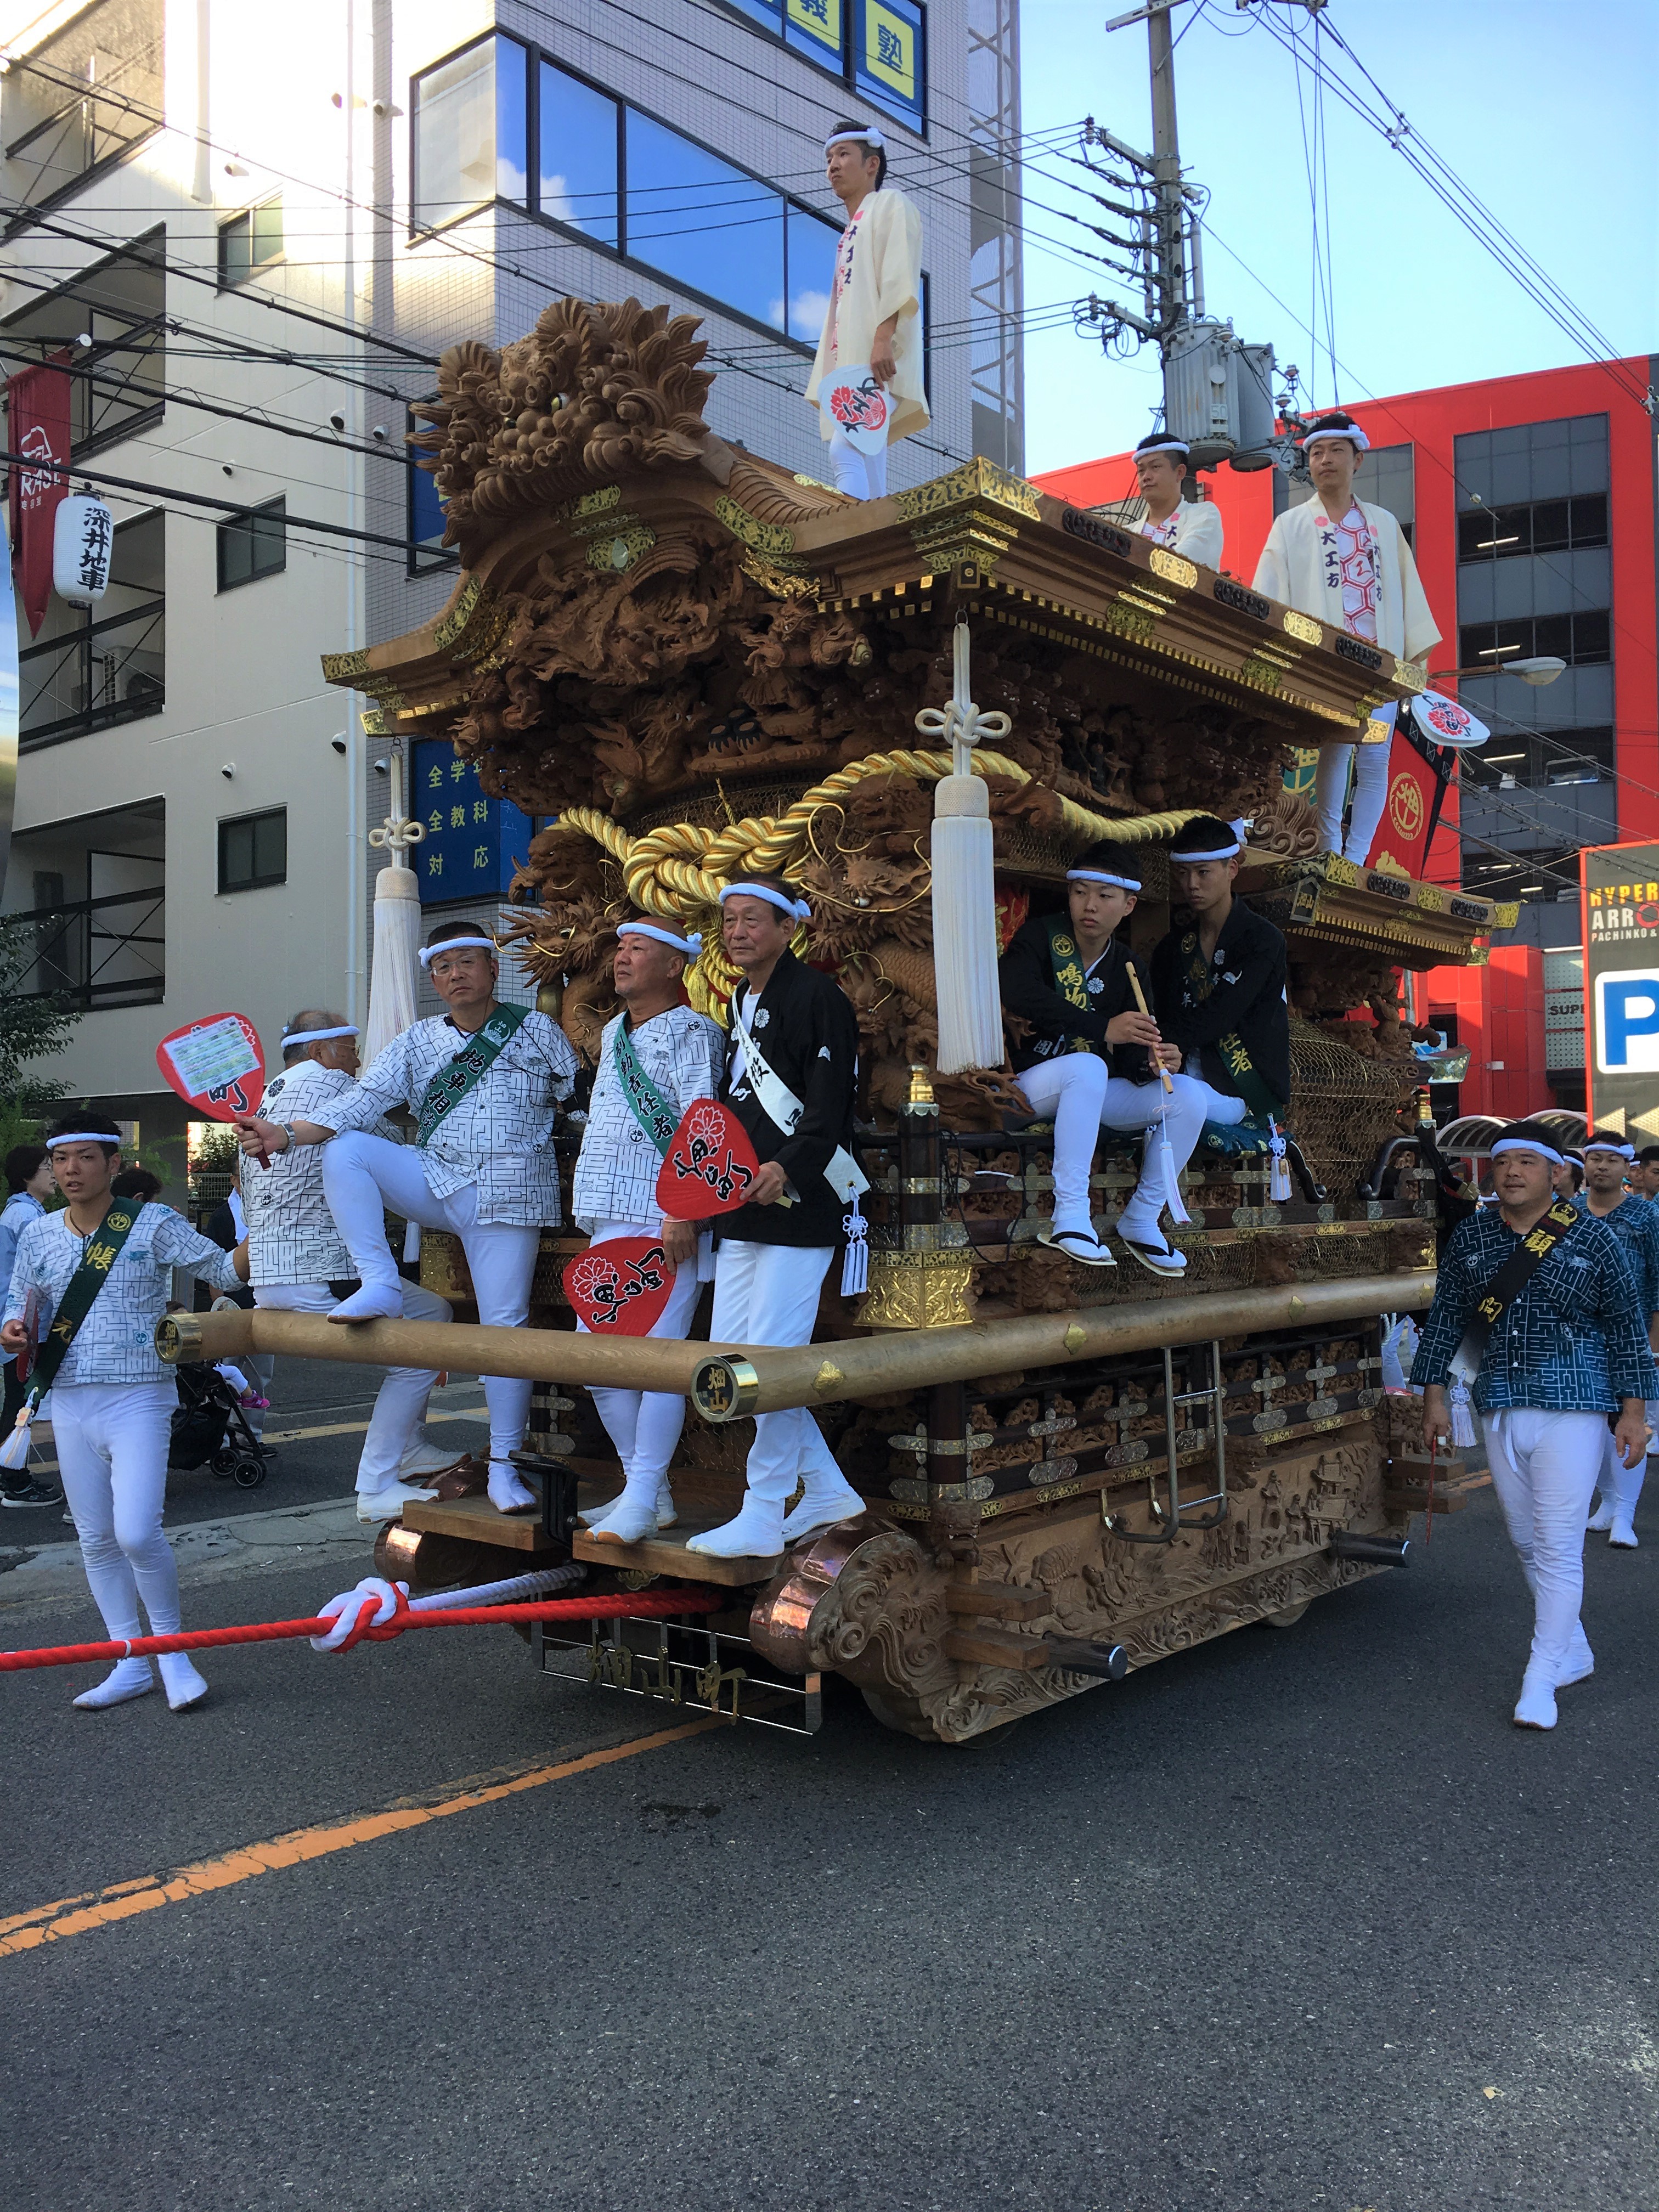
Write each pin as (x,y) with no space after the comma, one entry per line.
(88,990)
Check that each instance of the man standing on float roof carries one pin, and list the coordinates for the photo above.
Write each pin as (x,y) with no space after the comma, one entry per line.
(296,1252)
(657,1057)
(790,1082)
(874,318)
(1535,1308)
(484,1080)
(1188,526)
(1346,562)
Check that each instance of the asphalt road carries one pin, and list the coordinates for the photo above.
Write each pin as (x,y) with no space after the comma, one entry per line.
(1294,1920)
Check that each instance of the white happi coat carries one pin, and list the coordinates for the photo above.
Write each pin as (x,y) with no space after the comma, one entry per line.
(291,1235)
(1194,531)
(682,1053)
(879,274)
(1293,570)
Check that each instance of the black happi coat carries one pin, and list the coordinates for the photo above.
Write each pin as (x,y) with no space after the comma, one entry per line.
(1025,978)
(809,1034)
(1246,1001)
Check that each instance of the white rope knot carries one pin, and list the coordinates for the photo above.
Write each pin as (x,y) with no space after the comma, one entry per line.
(962,725)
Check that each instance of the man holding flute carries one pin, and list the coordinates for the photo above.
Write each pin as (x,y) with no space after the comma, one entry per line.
(1091,1053)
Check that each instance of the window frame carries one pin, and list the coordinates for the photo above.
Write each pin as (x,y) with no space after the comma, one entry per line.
(425,558)
(230,524)
(531,210)
(255,883)
(15,225)
(248,215)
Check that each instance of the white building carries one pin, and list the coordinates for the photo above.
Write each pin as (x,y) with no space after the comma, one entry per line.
(249,238)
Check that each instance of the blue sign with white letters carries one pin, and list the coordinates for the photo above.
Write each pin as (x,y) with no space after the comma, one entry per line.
(1627,1021)
(473,842)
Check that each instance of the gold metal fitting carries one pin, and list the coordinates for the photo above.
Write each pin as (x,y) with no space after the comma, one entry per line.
(922,1087)
(179,1337)
(725,1389)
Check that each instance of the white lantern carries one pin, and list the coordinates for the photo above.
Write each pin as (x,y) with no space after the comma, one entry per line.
(81,539)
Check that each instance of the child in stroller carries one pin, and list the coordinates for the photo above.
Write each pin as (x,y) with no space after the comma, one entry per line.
(211,1425)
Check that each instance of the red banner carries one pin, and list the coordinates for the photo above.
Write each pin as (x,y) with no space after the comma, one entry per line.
(1402,834)
(38,427)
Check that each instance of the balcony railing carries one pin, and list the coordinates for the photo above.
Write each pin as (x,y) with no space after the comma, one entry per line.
(93,677)
(98,953)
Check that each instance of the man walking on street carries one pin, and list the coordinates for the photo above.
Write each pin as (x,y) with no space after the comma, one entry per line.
(29,1184)
(1607,1162)
(1535,1309)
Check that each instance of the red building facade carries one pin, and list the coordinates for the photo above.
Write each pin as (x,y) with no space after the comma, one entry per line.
(1531,506)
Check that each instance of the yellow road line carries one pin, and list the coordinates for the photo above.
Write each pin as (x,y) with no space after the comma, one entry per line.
(478,1413)
(123,1900)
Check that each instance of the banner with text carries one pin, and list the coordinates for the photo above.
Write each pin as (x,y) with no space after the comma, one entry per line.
(1620,897)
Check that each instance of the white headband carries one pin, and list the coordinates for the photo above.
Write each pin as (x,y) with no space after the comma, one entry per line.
(429,953)
(1162,445)
(1607,1145)
(83,1137)
(1226,853)
(863,135)
(797,909)
(1529,1145)
(1099,876)
(1338,430)
(690,945)
(317,1036)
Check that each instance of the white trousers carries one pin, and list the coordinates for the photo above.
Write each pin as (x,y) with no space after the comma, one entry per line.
(112,1440)
(1084,1097)
(645,1425)
(1544,1467)
(1370,794)
(1621,1485)
(860,476)
(400,1402)
(768,1294)
(362,1175)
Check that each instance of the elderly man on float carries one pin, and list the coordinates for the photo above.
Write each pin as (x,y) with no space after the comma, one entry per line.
(484,1080)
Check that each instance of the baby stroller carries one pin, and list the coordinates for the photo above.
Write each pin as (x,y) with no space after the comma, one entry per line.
(210,1426)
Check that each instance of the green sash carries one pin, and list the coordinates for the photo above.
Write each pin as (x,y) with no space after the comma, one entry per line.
(1071,977)
(100,1255)
(1252,1089)
(469,1068)
(646,1102)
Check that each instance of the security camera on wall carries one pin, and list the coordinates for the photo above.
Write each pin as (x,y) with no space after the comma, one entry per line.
(337,421)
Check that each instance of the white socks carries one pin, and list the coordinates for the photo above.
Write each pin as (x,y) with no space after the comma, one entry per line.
(1601,1520)
(631,1517)
(821,1508)
(1535,1708)
(508,1492)
(1579,1664)
(179,1679)
(130,1678)
(756,1534)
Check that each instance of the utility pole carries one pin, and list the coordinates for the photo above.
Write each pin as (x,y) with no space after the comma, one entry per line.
(1176,307)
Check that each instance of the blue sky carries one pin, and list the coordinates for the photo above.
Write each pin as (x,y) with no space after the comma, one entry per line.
(1546,109)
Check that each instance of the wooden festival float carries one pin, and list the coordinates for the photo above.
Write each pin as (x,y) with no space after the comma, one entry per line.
(703,664)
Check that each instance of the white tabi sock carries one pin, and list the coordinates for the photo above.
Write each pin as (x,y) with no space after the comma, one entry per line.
(632,1516)
(130,1677)
(507,1490)
(179,1679)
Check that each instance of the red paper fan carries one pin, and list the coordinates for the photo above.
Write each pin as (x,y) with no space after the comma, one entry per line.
(710,1167)
(619,1288)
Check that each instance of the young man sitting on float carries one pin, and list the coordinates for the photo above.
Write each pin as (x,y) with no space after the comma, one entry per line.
(1090,1058)
(1219,979)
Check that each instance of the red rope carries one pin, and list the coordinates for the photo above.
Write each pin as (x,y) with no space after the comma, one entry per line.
(637,1604)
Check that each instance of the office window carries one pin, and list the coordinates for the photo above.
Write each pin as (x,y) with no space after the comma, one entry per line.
(427,549)
(118,386)
(1540,759)
(252,545)
(877,48)
(253,850)
(1548,525)
(579,163)
(709,226)
(470,121)
(1580,639)
(249,242)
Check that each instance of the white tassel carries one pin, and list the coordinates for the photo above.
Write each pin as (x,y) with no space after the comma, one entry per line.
(855,1263)
(1279,1172)
(1463,1416)
(15,1453)
(964,883)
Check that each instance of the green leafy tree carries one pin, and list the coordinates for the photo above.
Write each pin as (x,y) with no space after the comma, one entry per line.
(30,1029)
